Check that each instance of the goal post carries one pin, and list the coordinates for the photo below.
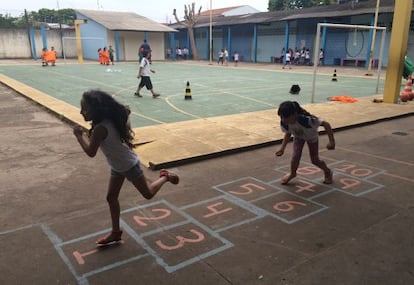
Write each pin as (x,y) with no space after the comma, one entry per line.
(345,26)
(90,47)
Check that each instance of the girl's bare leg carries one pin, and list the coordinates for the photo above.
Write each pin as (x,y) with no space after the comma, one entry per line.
(115,185)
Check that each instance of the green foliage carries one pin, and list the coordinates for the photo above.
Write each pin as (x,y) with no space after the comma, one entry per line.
(277,5)
(63,16)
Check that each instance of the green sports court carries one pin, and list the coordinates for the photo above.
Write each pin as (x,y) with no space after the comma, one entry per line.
(215,90)
(231,108)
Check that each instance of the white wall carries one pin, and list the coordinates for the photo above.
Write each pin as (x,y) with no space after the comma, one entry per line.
(15,43)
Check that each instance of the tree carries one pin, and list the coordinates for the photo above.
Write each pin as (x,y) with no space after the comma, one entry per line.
(63,16)
(190,20)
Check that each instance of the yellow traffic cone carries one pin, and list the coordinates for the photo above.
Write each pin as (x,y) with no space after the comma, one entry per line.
(334,76)
(188,91)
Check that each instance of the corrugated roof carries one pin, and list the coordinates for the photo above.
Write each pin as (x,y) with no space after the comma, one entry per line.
(124,21)
(328,11)
(216,12)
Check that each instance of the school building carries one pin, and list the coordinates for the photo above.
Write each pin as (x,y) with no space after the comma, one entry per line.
(123,30)
(261,37)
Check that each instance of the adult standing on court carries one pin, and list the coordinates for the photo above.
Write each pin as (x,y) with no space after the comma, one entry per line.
(144,74)
(144,47)
(111,54)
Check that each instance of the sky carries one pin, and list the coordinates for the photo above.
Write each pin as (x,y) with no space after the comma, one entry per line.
(157,10)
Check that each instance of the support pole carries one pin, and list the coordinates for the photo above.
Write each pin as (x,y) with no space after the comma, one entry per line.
(397,50)
(78,39)
(374,31)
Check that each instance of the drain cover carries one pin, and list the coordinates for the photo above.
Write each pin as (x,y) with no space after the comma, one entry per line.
(399,133)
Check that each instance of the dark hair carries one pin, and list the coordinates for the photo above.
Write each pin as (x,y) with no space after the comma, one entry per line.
(104,107)
(289,108)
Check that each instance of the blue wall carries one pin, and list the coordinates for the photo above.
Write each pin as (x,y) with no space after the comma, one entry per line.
(97,35)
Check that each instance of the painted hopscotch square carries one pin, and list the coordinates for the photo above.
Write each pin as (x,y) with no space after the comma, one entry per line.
(354,186)
(220,213)
(356,170)
(247,188)
(183,245)
(289,207)
(306,188)
(152,217)
(87,259)
(306,170)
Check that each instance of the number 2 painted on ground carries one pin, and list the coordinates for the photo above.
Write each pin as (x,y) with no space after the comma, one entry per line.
(140,222)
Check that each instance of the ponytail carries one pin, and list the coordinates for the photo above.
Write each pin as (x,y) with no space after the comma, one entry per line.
(288,108)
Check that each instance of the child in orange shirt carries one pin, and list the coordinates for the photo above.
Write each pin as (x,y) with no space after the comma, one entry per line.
(44,56)
(51,56)
(105,54)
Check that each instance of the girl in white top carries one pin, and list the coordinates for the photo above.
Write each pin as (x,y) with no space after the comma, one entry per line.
(112,133)
(303,126)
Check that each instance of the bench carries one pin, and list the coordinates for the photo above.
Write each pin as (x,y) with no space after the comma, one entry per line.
(276,59)
(357,62)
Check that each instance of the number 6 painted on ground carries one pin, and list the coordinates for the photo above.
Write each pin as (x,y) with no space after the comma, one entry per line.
(288,206)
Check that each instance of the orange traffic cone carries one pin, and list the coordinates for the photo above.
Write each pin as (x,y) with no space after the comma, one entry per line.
(407,93)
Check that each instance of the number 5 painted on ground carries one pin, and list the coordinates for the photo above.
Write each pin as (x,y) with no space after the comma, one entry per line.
(287,206)
(181,241)
(249,187)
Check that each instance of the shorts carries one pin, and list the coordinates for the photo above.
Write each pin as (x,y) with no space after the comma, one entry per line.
(132,173)
(146,81)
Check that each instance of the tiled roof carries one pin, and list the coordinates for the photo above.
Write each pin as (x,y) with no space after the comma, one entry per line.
(124,21)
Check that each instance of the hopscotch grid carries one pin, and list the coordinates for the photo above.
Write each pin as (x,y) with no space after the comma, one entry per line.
(188,219)
(301,217)
(361,193)
(232,201)
(164,228)
(54,238)
(378,171)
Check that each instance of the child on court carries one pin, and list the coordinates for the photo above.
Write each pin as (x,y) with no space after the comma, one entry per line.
(112,133)
(144,74)
(303,126)
(44,57)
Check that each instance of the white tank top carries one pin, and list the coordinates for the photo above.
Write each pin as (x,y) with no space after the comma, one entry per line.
(119,156)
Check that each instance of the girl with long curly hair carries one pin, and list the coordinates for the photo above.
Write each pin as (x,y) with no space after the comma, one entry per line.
(112,133)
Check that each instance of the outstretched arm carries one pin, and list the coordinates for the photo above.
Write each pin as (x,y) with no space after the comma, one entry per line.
(328,129)
(285,141)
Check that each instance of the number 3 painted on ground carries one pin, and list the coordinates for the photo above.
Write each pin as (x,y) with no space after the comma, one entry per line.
(181,241)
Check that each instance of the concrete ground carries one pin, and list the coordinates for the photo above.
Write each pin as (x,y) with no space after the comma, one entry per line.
(229,221)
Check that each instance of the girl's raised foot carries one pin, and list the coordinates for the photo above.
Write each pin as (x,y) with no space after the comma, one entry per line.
(171,177)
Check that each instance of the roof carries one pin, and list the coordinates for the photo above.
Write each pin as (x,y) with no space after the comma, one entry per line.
(230,11)
(124,21)
(217,12)
(328,11)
